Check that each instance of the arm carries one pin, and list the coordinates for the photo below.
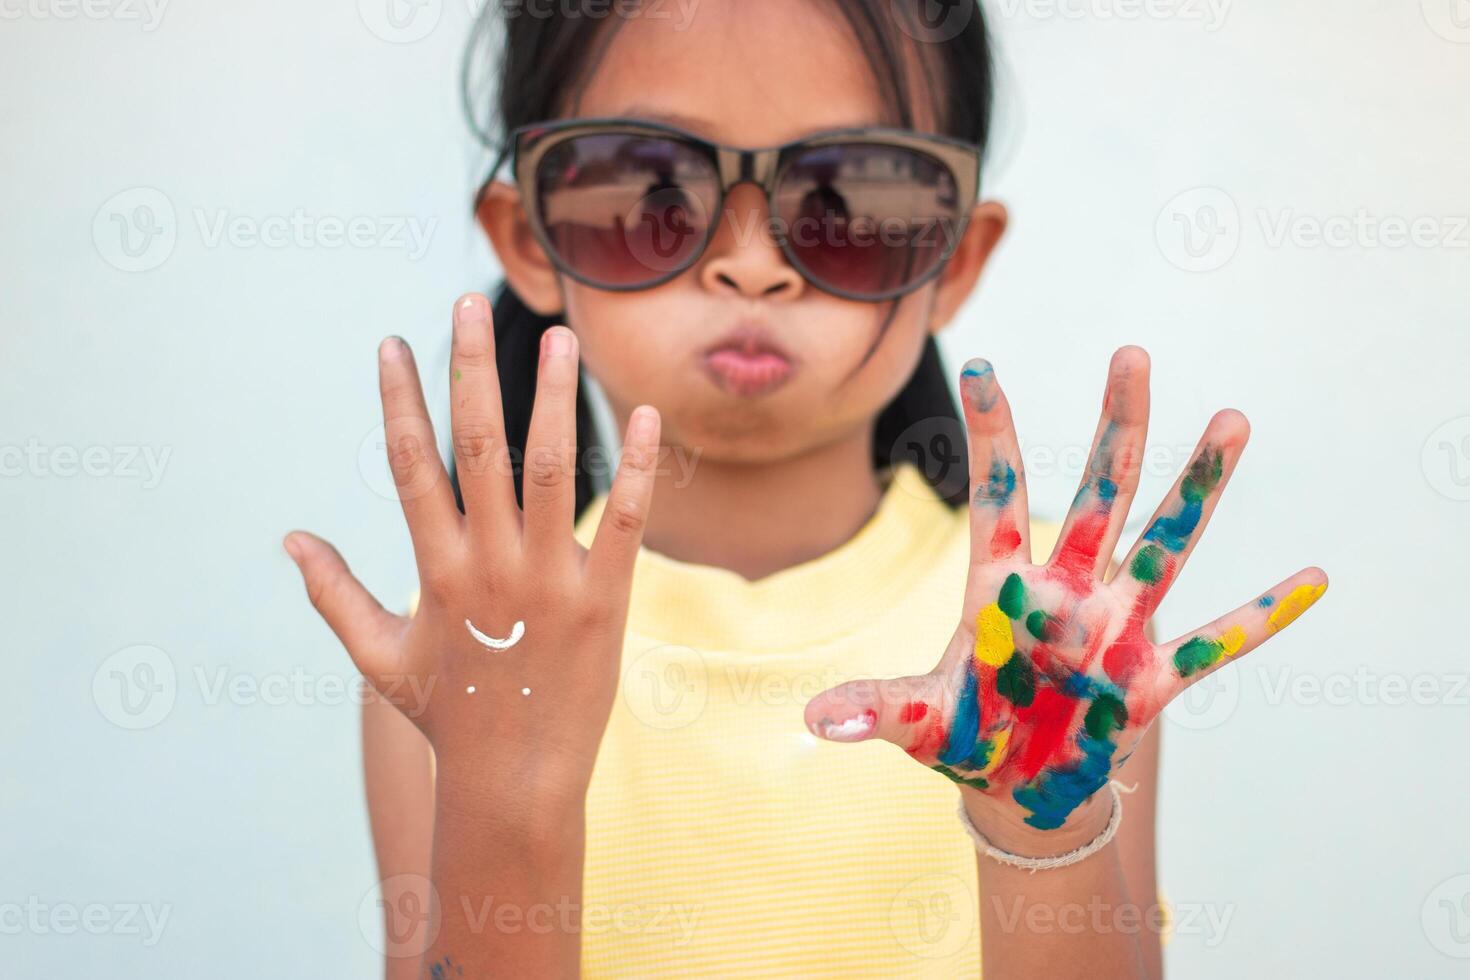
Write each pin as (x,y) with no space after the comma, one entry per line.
(1058,912)
(1052,683)
(399,776)
(509,665)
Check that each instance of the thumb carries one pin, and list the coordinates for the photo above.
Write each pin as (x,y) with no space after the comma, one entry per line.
(860,710)
(348,608)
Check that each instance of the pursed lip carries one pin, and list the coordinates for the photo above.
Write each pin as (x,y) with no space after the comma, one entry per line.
(747,361)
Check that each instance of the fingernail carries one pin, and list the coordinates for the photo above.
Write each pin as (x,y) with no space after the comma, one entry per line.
(853,729)
(392,348)
(471,309)
(643,421)
(292,546)
(977,381)
(558,342)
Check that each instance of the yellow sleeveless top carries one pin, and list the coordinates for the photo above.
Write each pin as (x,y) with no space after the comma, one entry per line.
(723,839)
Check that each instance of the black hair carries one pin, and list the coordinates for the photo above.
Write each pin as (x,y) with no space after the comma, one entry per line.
(543,59)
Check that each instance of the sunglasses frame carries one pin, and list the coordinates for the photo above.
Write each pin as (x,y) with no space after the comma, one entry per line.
(762,166)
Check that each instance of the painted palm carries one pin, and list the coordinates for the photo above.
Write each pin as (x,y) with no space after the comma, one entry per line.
(1049,681)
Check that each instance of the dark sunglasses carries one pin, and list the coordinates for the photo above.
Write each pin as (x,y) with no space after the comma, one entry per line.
(865,214)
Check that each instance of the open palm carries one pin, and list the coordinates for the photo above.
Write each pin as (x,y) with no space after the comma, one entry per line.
(1049,682)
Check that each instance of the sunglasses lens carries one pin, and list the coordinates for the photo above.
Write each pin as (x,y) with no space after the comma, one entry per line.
(865,219)
(622,210)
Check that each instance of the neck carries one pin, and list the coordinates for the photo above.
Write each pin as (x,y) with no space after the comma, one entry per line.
(759,518)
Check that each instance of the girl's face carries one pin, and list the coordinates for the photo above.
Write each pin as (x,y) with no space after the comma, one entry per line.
(747,73)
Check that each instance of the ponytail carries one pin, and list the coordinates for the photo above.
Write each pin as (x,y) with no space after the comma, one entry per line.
(518,330)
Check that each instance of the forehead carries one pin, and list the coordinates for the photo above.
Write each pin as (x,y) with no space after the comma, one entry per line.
(739,72)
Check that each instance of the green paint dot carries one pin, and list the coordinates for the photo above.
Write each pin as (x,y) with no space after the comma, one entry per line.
(1036,624)
(1012,596)
(1107,715)
(1016,681)
(456,374)
(1196,654)
(1149,564)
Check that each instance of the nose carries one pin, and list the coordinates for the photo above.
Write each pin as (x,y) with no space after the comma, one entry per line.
(743,258)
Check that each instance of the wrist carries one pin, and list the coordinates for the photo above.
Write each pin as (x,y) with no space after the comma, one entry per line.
(1003,823)
(533,805)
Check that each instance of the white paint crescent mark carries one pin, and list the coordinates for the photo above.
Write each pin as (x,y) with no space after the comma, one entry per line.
(516,632)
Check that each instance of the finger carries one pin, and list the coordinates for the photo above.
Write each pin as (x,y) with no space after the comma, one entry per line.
(549,490)
(916,714)
(1166,544)
(620,532)
(363,626)
(1198,654)
(418,472)
(857,711)
(1100,507)
(999,524)
(478,422)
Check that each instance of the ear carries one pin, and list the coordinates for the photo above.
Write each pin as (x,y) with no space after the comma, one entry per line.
(527,268)
(983,232)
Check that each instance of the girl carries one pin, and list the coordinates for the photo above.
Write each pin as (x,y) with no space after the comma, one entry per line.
(749,225)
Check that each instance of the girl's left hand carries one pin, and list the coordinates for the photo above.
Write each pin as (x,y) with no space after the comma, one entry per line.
(1049,682)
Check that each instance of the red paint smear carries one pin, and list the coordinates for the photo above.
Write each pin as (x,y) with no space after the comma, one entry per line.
(1049,720)
(912,712)
(1078,554)
(1006,539)
(1123,659)
(930,742)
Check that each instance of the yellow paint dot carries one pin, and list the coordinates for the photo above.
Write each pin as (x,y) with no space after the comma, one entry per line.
(1298,601)
(1231,641)
(994,642)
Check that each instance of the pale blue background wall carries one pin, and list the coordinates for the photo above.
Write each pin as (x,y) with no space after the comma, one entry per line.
(1314,800)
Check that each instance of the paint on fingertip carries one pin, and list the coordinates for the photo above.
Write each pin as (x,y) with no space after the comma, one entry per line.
(470,689)
(526,691)
(1297,601)
(977,381)
(853,729)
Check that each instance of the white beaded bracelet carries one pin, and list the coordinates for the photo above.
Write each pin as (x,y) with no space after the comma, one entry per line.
(1033,864)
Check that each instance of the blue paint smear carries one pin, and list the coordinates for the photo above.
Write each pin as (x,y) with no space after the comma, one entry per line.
(1265,601)
(1174,532)
(1053,795)
(966,725)
(1078,686)
(999,486)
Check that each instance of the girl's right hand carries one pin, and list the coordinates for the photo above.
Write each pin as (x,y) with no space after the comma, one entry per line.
(533,712)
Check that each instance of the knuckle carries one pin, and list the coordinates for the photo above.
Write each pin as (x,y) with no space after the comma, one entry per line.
(547,468)
(406,457)
(474,444)
(626,516)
